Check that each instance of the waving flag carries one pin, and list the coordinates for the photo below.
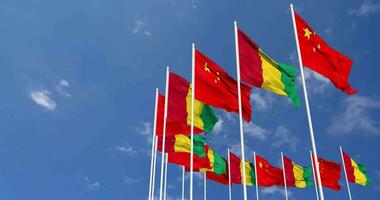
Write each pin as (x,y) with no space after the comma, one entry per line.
(330,173)
(237,171)
(267,175)
(259,70)
(296,175)
(320,57)
(356,172)
(215,87)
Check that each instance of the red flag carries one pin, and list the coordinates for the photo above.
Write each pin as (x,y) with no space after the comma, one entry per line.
(320,57)
(216,88)
(184,159)
(267,175)
(330,173)
(222,179)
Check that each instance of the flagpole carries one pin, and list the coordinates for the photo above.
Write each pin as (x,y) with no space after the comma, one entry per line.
(204,186)
(314,147)
(257,183)
(284,174)
(164,131)
(166,174)
(154,166)
(229,175)
(345,173)
(240,110)
(183,182)
(315,180)
(153,146)
(192,119)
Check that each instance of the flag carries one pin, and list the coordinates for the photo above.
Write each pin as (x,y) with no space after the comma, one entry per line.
(183,158)
(319,56)
(217,163)
(222,178)
(182,143)
(237,171)
(296,175)
(259,70)
(216,88)
(330,173)
(267,175)
(179,110)
(356,172)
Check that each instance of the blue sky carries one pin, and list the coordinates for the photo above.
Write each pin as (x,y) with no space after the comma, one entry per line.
(78,80)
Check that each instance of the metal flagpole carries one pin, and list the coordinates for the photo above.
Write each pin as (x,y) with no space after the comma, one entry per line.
(204,186)
(240,110)
(192,118)
(166,174)
(164,131)
(229,175)
(257,183)
(183,182)
(314,147)
(315,180)
(345,173)
(153,146)
(284,174)
(154,166)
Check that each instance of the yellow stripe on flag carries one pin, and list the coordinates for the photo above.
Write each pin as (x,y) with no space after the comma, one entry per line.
(360,178)
(271,75)
(198,106)
(248,177)
(182,143)
(298,176)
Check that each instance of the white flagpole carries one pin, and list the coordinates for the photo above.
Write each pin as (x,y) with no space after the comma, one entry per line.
(257,183)
(314,147)
(240,109)
(164,131)
(183,182)
(192,119)
(153,146)
(315,180)
(345,173)
(204,186)
(229,175)
(166,174)
(284,174)
(154,167)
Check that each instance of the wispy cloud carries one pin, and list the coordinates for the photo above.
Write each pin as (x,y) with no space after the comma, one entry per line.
(283,137)
(145,130)
(126,149)
(262,100)
(315,82)
(140,27)
(130,180)
(328,32)
(365,9)
(61,86)
(218,126)
(356,115)
(91,185)
(255,131)
(41,97)
(275,190)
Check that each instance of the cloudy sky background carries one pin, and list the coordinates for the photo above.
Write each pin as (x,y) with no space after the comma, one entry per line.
(78,81)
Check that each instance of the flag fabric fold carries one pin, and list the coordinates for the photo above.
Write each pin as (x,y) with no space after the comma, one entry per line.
(319,56)
(237,171)
(330,173)
(217,88)
(268,175)
(296,175)
(356,172)
(259,70)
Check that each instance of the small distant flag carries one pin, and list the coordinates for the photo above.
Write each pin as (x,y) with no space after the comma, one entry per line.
(237,169)
(215,87)
(330,173)
(268,175)
(320,57)
(259,70)
(356,172)
(296,175)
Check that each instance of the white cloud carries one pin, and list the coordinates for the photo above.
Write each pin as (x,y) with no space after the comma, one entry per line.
(218,126)
(255,131)
(91,185)
(356,115)
(365,9)
(60,87)
(126,149)
(145,129)
(316,83)
(275,190)
(141,27)
(42,98)
(130,180)
(283,137)
(262,100)
(328,32)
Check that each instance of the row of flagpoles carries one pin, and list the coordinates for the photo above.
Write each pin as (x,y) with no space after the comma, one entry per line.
(164,156)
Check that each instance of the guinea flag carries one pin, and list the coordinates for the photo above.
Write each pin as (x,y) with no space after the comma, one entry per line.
(330,173)
(182,143)
(215,87)
(217,163)
(296,175)
(179,108)
(319,56)
(236,171)
(267,175)
(356,172)
(259,70)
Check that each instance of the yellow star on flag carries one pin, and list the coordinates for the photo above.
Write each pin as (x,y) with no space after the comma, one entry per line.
(307,33)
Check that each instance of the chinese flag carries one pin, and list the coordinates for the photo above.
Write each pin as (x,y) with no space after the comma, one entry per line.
(319,56)
(330,173)
(215,87)
(267,175)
